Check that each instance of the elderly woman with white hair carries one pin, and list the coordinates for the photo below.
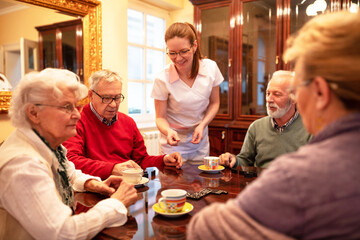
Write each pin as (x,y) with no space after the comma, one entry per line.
(313,193)
(37,182)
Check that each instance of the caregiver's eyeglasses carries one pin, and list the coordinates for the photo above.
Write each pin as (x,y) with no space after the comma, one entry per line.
(182,53)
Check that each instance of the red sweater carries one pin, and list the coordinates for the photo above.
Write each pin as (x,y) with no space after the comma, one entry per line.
(97,147)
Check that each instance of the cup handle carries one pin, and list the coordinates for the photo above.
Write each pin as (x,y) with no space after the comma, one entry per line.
(160,201)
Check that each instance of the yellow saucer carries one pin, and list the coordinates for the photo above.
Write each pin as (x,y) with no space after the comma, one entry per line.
(188,207)
(218,169)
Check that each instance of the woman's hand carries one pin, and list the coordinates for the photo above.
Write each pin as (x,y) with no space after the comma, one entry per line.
(172,137)
(126,193)
(197,135)
(115,187)
(106,187)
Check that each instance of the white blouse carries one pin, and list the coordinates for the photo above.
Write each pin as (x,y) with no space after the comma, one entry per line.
(28,194)
(186,106)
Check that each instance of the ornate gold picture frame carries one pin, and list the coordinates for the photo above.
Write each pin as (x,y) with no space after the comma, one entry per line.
(90,10)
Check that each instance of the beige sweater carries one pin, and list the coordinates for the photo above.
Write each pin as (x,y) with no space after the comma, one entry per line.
(14,146)
(227,221)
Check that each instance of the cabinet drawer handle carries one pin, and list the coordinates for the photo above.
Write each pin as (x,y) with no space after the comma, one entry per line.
(223,135)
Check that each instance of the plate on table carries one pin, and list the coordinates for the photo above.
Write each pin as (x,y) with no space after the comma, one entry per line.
(218,169)
(188,207)
(142,182)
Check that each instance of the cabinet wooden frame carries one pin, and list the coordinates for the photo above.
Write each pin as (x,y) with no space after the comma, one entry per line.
(57,29)
(236,122)
(218,43)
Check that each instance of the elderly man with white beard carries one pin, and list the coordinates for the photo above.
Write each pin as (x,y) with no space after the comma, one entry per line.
(280,132)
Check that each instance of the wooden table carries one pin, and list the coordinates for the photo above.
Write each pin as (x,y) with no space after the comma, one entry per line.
(144,223)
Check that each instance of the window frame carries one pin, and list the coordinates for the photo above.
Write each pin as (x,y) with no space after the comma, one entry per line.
(146,9)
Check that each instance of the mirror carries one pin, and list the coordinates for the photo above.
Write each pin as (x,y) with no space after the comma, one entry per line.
(90,11)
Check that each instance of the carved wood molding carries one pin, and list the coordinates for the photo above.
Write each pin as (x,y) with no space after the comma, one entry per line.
(5,98)
(199,2)
(90,10)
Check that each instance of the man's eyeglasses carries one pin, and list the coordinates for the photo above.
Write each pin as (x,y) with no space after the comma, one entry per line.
(182,53)
(68,108)
(107,100)
(291,90)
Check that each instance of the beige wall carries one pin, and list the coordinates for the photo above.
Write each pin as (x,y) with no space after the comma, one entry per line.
(24,21)
(114,39)
(5,126)
(183,15)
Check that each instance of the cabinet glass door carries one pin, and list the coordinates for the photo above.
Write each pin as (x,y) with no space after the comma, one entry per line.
(302,11)
(215,45)
(61,46)
(258,54)
(49,59)
(68,47)
(71,50)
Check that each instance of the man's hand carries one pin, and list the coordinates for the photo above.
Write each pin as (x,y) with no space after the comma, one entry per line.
(106,187)
(121,166)
(227,159)
(172,137)
(173,159)
(126,193)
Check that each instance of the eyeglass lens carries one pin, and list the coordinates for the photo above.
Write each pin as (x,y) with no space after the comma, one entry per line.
(182,53)
(107,100)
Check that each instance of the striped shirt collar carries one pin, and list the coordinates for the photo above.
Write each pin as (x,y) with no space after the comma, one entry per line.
(103,120)
(283,127)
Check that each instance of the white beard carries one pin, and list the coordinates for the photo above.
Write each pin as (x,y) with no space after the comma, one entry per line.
(279,112)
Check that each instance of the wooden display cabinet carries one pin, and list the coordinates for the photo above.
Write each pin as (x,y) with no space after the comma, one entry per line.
(247,39)
(61,46)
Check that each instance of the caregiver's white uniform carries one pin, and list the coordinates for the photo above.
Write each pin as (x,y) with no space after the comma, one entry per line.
(186,106)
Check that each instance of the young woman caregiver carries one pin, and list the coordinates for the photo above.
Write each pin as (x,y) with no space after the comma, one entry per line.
(186,94)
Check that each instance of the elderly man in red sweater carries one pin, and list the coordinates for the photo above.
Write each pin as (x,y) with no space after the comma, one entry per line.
(108,141)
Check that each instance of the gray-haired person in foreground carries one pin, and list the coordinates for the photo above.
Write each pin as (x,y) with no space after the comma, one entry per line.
(313,193)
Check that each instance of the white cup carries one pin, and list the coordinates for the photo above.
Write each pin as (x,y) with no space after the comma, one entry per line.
(132,175)
(173,200)
(211,163)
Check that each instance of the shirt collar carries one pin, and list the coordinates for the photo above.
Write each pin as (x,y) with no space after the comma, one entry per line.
(103,120)
(174,76)
(283,127)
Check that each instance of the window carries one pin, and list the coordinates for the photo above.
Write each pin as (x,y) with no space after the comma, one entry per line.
(146,57)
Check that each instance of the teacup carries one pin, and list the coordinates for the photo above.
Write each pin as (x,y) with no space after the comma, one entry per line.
(132,175)
(173,200)
(211,162)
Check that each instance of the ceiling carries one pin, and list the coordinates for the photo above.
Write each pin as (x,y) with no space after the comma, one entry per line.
(8,6)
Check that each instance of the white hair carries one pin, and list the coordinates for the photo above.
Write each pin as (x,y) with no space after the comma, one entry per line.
(38,87)
(106,75)
(282,73)
(283,76)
